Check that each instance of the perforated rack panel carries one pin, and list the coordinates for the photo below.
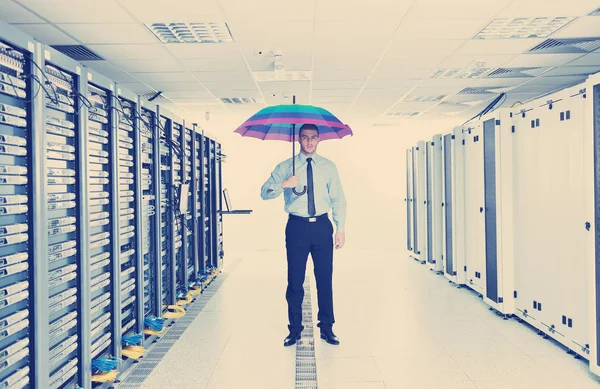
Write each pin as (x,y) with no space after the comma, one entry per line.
(15,215)
(166,207)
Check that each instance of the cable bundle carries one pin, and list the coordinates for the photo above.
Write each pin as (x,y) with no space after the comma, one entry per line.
(174,312)
(153,325)
(106,368)
(129,340)
(184,300)
(195,290)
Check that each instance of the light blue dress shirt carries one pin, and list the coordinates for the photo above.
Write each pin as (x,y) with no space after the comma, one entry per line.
(327,188)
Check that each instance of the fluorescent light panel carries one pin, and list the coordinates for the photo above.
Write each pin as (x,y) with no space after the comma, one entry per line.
(192,32)
(511,28)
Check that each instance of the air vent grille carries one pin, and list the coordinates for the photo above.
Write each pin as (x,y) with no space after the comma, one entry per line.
(78,52)
(566,46)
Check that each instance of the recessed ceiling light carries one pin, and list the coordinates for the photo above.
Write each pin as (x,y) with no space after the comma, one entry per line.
(239,100)
(511,28)
(282,75)
(194,32)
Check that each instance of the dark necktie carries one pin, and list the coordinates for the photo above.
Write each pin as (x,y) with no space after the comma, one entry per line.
(311,191)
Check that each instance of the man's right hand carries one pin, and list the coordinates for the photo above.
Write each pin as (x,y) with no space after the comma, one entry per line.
(291,182)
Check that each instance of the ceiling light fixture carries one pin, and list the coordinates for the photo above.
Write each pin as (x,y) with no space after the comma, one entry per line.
(511,28)
(193,32)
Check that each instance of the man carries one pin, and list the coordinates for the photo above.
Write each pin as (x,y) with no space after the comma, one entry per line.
(309,229)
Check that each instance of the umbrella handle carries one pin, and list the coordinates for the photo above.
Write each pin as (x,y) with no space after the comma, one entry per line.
(299,193)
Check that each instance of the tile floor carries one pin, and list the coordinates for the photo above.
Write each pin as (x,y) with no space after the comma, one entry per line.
(400,326)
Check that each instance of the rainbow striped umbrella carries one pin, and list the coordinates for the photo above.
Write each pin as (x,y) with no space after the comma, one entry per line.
(279,123)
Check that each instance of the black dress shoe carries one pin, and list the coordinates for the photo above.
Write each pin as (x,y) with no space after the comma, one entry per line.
(330,337)
(292,338)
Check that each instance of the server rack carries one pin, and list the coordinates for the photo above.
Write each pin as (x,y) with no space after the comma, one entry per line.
(475,256)
(196,191)
(435,203)
(414,203)
(188,219)
(209,203)
(550,249)
(420,204)
(151,231)
(592,209)
(167,219)
(408,199)
(219,156)
(19,169)
(179,275)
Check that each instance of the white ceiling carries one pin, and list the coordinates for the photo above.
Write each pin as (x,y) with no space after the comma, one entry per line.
(369,60)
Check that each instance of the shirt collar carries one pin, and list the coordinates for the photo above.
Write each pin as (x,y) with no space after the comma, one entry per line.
(302,158)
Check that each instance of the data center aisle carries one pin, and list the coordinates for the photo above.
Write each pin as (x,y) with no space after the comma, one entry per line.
(400,326)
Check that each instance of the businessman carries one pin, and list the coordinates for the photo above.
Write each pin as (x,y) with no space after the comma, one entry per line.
(308,229)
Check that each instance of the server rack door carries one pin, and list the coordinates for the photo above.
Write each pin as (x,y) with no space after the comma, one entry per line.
(213,207)
(458,170)
(189,218)
(166,206)
(179,270)
(491,233)
(437,200)
(20,257)
(448,205)
(130,248)
(415,202)
(68,250)
(408,200)
(422,204)
(151,233)
(219,195)
(429,204)
(196,202)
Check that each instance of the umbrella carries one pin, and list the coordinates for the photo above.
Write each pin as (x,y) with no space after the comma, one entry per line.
(279,123)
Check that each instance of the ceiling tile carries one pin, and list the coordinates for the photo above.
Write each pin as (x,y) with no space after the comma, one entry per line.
(529,8)
(328,100)
(179,86)
(413,107)
(76,11)
(124,52)
(379,83)
(227,76)
(110,33)
(338,84)
(344,31)
(14,13)
(140,66)
(533,60)
(497,46)
(337,62)
(359,10)
(279,31)
(331,75)
(165,77)
(160,11)
(463,61)
(118,76)
(573,71)
(268,10)
(193,101)
(356,49)
(334,92)
(592,59)
(407,75)
(47,34)
(287,86)
(556,81)
(136,87)
(441,47)
(587,26)
(263,49)
(410,62)
(268,64)
(240,85)
(214,65)
(419,29)
(103,67)
(200,50)
(236,93)
(458,9)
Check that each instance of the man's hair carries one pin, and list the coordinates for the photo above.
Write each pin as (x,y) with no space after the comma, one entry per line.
(308,126)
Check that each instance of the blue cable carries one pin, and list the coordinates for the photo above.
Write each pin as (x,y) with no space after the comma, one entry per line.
(154,323)
(105,364)
(130,340)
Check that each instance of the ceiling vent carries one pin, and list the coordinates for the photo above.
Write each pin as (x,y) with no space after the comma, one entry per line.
(239,100)
(516,72)
(403,114)
(514,28)
(191,32)
(423,99)
(78,52)
(485,90)
(149,95)
(566,46)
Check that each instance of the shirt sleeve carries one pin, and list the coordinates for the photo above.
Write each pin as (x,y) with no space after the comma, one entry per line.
(272,187)
(338,200)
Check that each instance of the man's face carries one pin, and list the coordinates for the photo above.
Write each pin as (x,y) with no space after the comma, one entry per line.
(309,139)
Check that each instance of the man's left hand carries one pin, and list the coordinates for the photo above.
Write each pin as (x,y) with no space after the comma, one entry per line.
(340,239)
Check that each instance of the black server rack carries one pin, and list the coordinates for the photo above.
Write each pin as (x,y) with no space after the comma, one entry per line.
(17,230)
(208,202)
(68,237)
(212,206)
(131,289)
(188,219)
(220,249)
(151,233)
(166,219)
(200,201)
(180,270)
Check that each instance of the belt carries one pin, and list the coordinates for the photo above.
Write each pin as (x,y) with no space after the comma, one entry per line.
(308,219)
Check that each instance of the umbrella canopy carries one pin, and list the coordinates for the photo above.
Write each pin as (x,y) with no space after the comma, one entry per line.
(279,123)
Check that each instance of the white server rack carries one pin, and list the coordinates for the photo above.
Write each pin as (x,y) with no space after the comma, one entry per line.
(551,275)
(409,200)
(420,200)
(434,203)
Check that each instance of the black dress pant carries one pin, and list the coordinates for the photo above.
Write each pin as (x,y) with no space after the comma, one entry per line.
(303,237)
